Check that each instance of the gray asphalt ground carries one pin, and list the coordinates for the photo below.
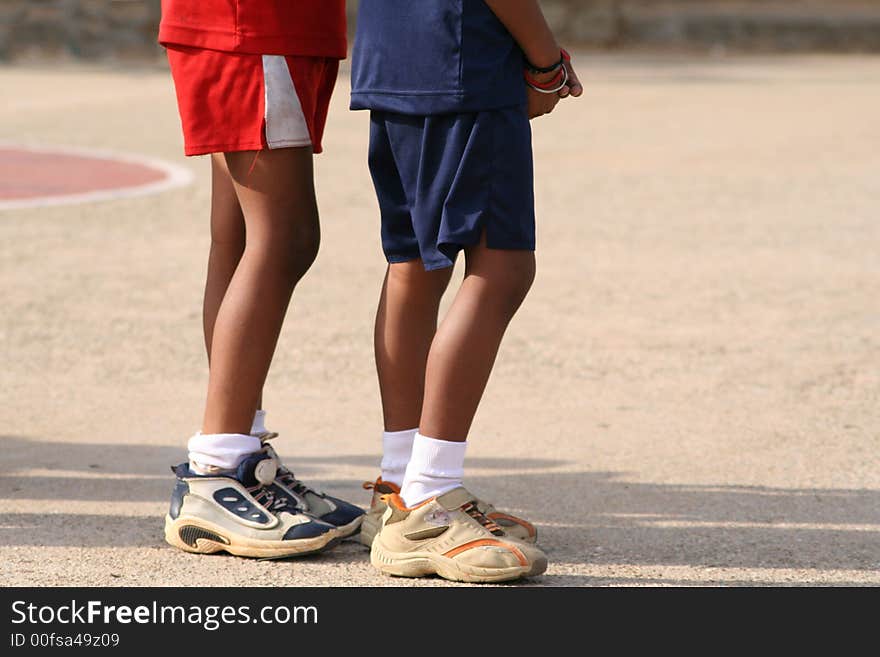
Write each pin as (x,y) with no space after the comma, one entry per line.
(688,397)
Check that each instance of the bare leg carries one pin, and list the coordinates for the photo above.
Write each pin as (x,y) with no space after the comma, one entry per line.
(463,350)
(405,324)
(277,198)
(227,245)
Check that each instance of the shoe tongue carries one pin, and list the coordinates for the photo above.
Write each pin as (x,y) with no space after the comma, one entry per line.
(258,468)
(455,498)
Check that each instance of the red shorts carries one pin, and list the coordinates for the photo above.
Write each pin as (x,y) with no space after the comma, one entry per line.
(241,102)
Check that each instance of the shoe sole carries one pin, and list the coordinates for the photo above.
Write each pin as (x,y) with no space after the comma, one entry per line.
(420,564)
(333,543)
(349,530)
(196,535)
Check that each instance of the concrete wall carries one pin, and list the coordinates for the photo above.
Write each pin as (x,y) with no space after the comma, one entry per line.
(116,28)
(82,28)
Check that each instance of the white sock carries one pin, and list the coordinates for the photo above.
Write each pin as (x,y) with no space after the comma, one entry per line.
(259,424)
(435,467)
(396,449)
(220,451)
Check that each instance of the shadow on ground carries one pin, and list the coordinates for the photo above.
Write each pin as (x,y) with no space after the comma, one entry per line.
(583,517)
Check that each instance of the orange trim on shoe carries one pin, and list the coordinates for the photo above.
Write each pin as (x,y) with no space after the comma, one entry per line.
(397,501)
(488,541)
(371,485)
(517,521)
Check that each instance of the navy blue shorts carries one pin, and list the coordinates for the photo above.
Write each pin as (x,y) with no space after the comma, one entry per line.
(442,180)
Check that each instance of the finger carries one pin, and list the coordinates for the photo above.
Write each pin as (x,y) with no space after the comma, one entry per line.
(574,82)
(563,93)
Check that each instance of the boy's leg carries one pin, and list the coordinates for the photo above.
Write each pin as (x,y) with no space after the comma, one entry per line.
(463,350)
(459,364)
(237,507)
(406,321)
(405,325)
(276,192)
(440,535)
(227,245)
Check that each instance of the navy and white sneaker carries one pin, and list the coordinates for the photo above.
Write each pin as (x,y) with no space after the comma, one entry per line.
(245,513)
(346,517)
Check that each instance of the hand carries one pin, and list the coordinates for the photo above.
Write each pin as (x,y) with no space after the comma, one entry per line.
(574,86)
(541,104)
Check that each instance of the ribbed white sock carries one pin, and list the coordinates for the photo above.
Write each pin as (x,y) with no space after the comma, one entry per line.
(435,467)
(259,423)
(396,449)
(223,451)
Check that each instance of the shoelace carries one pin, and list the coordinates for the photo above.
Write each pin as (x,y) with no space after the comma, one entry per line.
(471,509)
(284,475)
(268,499)
(288,479)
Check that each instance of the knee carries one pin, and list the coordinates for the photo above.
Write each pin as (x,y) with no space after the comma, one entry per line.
(301,252)
(229,243)
(288,254)
(410,278)
(511,288)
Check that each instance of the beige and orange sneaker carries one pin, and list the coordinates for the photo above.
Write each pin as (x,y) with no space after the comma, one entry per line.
(449,536)
(373,517)
(512,526)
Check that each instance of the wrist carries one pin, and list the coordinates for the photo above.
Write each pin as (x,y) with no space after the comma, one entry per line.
(551,79)
(554,84)
(544,78)
(547,57)
(533,69)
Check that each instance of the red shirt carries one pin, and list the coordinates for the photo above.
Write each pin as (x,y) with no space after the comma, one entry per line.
(310,28)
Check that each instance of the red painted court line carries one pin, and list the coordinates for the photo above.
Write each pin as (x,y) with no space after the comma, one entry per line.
(26,174)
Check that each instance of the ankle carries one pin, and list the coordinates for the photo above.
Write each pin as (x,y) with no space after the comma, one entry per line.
(435,467)
(396,452)
(211,453)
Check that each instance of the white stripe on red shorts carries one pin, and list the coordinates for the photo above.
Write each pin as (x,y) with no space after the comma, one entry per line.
(285,122)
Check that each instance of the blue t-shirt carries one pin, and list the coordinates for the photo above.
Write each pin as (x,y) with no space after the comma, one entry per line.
(434,57)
